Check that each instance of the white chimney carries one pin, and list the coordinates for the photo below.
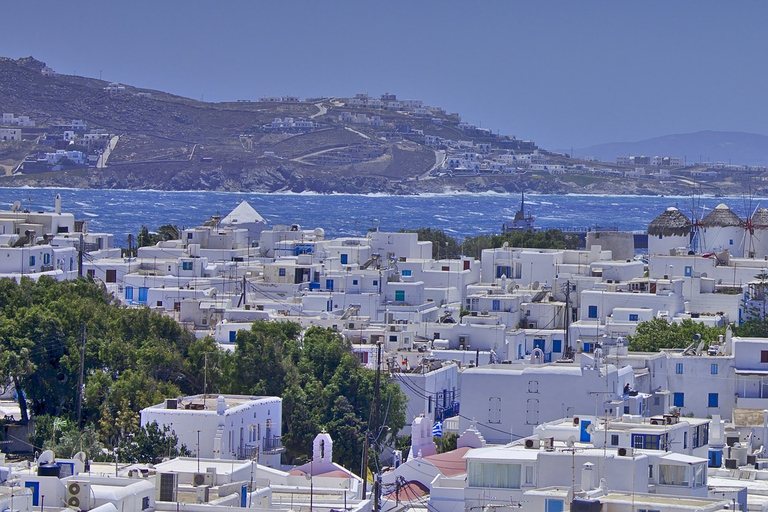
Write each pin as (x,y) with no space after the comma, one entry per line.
(57,204)
(587,477)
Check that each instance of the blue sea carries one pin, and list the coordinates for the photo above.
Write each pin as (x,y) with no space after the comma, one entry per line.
(461,214)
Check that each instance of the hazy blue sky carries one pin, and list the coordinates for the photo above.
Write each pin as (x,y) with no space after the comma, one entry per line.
(563,73)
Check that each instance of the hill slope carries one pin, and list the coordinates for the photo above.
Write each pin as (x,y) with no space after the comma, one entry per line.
(168,142)
(712,146)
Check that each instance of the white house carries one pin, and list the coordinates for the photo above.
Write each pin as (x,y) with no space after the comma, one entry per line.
(223,426)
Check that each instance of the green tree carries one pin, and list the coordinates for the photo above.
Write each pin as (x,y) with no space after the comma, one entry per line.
(447,442)
(150,445)
(657,334)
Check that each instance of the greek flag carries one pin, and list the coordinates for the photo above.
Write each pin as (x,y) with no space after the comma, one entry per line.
(437,429)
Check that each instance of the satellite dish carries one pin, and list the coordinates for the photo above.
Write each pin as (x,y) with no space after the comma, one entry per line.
(535,285)
(571,441)
(703,274)
(47,457)
(16,206)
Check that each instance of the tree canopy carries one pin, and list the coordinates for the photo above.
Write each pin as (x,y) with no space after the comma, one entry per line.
(656,334)
(135,358)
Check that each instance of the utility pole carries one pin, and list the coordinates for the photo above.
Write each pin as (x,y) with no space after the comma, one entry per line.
(364,469)
(80,257)
(377,428)
(567,353)
(80,379)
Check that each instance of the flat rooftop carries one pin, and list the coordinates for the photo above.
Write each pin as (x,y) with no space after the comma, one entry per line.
(209,402)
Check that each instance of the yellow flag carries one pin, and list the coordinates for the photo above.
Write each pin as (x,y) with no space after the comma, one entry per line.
(369,475)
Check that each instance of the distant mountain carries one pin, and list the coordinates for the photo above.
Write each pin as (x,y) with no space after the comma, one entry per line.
(712,146)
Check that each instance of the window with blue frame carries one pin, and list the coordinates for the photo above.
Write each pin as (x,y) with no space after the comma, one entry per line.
(281,272)
(406,273)
(633,317)
(713,369)
(31,261)
(354,282)
(503,271)
(557,346)
(329,284)
(496,304)
(648,442)
(592,312)
(688,271)
(712,400)
(344,259)
(679,368)
(678,399)
(143,294)
(232,336)
(187,265)
(399,295)
(46,259)
(554,505)
(129,292)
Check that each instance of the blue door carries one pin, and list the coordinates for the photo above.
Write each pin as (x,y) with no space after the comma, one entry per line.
(143,294)
(715,458)
(35,486)
(585,437)
(329,284)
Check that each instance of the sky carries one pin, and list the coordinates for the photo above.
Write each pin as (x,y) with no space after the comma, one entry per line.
(560,72)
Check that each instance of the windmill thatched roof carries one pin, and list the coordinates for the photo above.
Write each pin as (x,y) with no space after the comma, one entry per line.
(721,217)
(760,219)
(671,222)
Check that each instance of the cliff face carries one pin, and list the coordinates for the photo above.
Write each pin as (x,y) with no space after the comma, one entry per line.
(168,142)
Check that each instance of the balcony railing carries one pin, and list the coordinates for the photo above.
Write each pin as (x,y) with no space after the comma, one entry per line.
(273,445)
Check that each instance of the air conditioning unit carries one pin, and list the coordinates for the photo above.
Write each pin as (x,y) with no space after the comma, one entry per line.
(532,444)
(626,452)
(168,484)
(548,443)
(203,494)
(202,479)
(79,495)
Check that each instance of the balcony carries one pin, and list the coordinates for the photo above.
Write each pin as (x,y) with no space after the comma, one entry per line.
(446,412)
(273,445)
